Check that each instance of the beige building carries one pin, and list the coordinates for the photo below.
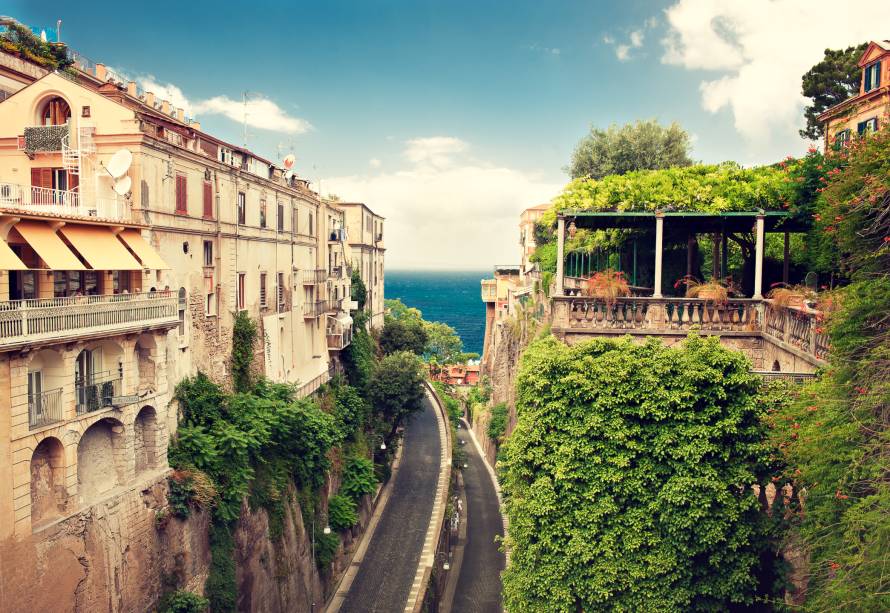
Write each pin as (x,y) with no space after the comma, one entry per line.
(129,238)
(527,220)
(365,229)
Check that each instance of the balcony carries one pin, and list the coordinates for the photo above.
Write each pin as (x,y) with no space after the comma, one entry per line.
(340,272)
(44,408)
(339,331)
(313,276)
(318,308)
(797,327)
(337,235)
(60,202)
(489,290)
(101,391)
(53,320)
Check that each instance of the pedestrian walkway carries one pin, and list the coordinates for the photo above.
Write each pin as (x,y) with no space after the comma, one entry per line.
(479,583)
(384,579)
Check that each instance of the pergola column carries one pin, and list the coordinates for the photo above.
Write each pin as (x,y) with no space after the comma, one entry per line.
(560,254)
(758,258)
(659,240)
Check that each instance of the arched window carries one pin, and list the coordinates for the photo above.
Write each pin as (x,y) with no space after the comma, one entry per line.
(776,367)
(54,112)
(48,494)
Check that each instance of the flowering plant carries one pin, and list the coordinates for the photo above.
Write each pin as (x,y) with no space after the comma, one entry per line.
(716,291)
(608,284)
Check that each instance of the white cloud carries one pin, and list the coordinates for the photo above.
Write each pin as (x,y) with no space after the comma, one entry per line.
(634,40)
(608,40)
(762,48)
(622,52)
(445,209)
(375,163)
(261,112)
(546,50)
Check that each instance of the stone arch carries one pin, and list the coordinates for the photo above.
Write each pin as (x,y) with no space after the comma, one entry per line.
(146,439)
(776,366)
(100,459)
(48,493)
(53,110)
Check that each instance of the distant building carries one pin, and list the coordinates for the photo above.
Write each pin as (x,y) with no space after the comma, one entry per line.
(863,112)
(458,374)
(527,221)
(365,231)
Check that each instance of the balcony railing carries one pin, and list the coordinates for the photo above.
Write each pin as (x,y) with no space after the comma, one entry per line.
(97,393)
(60,202)
(314,276)
(44,408)
(340,272)
(24,322)
(338,341)
(798,327)
(320,307)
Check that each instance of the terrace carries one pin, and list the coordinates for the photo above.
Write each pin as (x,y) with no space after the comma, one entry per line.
(62,203)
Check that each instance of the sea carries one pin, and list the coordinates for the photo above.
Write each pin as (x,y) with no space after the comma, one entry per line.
(452,297)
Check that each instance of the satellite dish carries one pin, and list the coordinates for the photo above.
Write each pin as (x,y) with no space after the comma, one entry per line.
(122,186)
(289,161)
(119,163)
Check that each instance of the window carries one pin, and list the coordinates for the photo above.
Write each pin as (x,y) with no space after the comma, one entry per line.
(262,212)
(241,294)
(280,291)
(242,208)
(872,76)
(295,218)
(281,217)
(867,126)
(210,304)
(311,231)
(842,138)
(181,195)
(208,253)
(208,200)
(262,289)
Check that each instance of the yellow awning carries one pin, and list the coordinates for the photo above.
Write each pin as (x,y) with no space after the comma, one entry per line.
(8,259)
(100,248)
(49,246)
(144,252)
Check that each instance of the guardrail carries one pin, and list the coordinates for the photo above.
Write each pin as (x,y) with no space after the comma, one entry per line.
(60,202)
(313,276)
(45,408)
(24,322)
(97,393)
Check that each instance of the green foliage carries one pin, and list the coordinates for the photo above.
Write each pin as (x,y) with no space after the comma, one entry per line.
(358,290)
(341,513)
(358,358)
(443,344)
(244,335)
(830,82)
(497,427)
(326,546)
(358,478)
(545,257)
(643,145)
(182,601)
(396,309)
(20,40)
(201,401)
(351,411)
(452,404)
(396,389)
(190,488)
(403,335)
(481,393)
(221,586)
(626,478)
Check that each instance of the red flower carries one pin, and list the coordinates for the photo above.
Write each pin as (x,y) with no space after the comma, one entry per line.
(840,496)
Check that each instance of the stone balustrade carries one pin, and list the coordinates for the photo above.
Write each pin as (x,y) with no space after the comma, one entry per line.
(26,322)
(799,327)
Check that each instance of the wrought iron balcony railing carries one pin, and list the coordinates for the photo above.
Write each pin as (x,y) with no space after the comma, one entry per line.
(44,408)
(61,202)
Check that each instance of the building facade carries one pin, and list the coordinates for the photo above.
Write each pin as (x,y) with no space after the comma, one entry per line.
(129,240)
(365,230)
(527,220)
(867,110)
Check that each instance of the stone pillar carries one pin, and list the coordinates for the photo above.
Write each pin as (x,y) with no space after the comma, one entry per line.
(45,284)
(106,282)
(758,259)
(560,255)
(659,240)
(4,285)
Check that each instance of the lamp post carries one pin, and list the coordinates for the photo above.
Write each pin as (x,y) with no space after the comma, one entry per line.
(326,530)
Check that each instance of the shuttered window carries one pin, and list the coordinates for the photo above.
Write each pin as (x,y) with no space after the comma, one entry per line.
(872,76)
(208,200)
(262,289)
(42,177)
(181,195)
(281,217)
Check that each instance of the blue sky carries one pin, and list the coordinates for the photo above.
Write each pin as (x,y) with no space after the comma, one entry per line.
(450,117)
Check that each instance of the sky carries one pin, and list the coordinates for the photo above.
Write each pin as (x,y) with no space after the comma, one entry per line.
(449,118)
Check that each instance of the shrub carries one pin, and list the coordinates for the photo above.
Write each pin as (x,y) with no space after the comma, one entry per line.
(625,480)
(182,601)
(498,424)
(403,335)
(326,546)
(350,409)
(244,334)
(358,478)
(341,513)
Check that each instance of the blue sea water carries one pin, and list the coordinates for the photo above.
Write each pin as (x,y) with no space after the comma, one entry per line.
(452,297)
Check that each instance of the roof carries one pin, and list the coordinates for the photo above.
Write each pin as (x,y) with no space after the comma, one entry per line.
(699,221)
(883,44)
(361,204)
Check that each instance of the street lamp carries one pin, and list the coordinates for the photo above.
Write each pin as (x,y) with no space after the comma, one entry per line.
(446,562)
(383,446)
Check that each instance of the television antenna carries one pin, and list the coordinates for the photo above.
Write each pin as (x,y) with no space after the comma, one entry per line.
(117,168)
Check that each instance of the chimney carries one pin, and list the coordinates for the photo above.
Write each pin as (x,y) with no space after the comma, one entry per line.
(150,99)
(196,125)
(101,73)
(131,88)
(165,107)
(180,115)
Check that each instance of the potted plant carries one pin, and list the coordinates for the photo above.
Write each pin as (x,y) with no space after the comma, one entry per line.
(715,291)
(609,285)
(792,296)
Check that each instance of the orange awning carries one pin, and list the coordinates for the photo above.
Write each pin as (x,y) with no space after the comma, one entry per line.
(100,248)
(49,246)
(145,253)
(8,259)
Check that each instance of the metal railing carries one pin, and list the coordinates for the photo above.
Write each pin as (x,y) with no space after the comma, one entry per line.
(24,322)
(60,202)
(98,392)
(320,307)
(45,408)
(313,276)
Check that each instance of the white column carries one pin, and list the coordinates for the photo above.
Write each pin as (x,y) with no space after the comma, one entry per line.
(560,254)
(758,259)
(659,240)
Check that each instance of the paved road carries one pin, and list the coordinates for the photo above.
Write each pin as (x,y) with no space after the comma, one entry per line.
(387,571)
(479,582)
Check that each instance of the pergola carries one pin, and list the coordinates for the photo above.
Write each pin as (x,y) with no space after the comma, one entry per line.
(692,223)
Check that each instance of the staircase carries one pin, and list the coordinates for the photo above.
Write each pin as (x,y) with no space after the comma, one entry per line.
(85,146)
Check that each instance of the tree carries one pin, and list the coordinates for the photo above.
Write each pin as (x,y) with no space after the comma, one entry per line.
(396,309)
(403,335)
(830,82)
(626,478)
(644,145)
(358,290)
(443,344)
(396,389)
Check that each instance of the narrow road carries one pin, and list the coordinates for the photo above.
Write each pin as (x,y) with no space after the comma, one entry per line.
(479,583)
(384,579)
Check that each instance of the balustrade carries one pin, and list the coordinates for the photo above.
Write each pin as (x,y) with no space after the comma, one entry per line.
(44,408)
(98,392)
(61,202)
